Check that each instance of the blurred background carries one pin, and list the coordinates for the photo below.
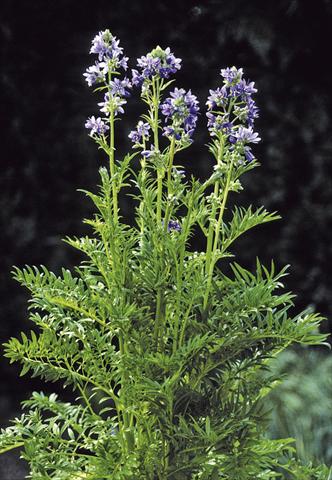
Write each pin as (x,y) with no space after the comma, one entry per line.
(46,155)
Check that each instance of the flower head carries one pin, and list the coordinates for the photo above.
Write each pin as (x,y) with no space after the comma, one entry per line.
(96,73)
(244,89)
(158,62)
(96,125)
(173,226)
(247,135)
(181,111)
(232,111)
(231,75)
(136,78)
(110,57)
(120,87)
(217,98)
(141,132)
(107,47)
(112,103)
(248,154)
(252,111)
(115,98)
(150,153)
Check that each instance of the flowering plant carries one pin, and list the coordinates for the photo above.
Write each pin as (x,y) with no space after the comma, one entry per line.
(162,347)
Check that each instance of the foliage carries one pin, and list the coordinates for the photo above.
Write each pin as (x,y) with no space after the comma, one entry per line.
(301,404)
(164,346)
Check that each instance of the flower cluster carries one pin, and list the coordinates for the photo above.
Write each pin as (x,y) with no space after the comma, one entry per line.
(120,87)
(96,126)
(112,103)
(181,111)
(140,134)
(159,62)
(232,111)
(114,99)
(96,73)
(110,58)
(152,152)
(173,226)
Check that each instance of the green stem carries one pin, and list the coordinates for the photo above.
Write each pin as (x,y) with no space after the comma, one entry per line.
(179,280)
(168,210)
(127,421)
(184,323)
(159,317)
(82,390)
(156,100)
(111,150)
(211,227)
(112,168)
(160,176)
(143,174)
(167,445)
(170,165)
(216,235)
(214,209)
(160,172)
(84,396)
(11,447)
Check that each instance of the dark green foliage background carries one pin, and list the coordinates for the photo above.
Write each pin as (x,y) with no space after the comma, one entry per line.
(46,153)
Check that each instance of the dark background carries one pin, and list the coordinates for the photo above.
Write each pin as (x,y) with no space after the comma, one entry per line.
(284,46)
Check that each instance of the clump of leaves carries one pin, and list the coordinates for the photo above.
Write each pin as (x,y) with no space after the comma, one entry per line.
(301,404)
(162,347)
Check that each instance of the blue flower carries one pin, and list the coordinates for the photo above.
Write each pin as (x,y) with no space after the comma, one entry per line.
(96,126)
(137,79)
(244,89)
(123,63)
(248,154)
(252,111)
(149,153)
(232,112)
(149,65)
(217,98)
(231,75)
(173,226)
(247,135)
(115,98)
(158,62)
(107,47)
(96,73)
(218,110)
(142,131)
(181,111)
(219,122)
(120,87)
(110,57)
(112,103)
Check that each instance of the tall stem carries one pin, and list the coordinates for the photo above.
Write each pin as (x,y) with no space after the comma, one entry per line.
(186,226)
(216,235)
(112,168)
(143,174)
(214,210)
(156,100)
(211,227)
(111,149)
(159,319)
(170,166)
(168,211)
(128,436)
(160,173)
